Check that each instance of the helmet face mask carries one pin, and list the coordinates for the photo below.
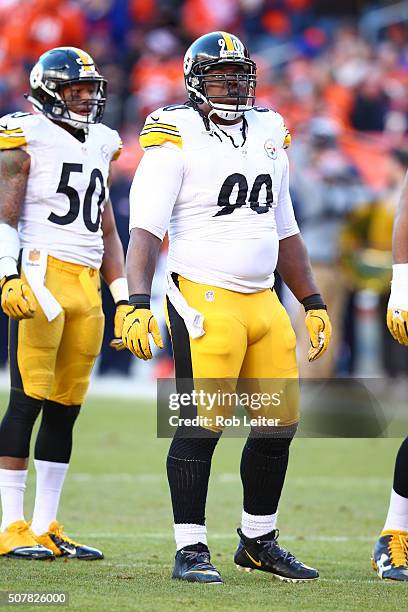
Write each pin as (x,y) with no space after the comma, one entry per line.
(53,82)
(229,93)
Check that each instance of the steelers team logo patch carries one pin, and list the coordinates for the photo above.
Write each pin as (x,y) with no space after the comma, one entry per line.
(271,149)
(105,153)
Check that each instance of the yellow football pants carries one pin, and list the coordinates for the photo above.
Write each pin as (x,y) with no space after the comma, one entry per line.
(54,359)
(248,342)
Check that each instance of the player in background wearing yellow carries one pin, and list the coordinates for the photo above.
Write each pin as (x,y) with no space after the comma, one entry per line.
(215,174)
(57,230)
(390,555)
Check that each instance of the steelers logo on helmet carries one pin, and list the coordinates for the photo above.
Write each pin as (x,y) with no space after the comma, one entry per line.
(229,91)
(36,76)
(188,62)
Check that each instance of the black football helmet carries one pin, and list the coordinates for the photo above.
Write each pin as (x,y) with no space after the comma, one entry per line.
(62,66)
(212,50)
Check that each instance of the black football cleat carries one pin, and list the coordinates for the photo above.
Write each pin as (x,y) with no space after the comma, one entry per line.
(192,563)
(265,554)
(390,555)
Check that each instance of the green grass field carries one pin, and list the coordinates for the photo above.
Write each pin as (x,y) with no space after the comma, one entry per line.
(116,498)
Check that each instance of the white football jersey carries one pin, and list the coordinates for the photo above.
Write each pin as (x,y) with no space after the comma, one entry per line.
(222,194)
(67,186)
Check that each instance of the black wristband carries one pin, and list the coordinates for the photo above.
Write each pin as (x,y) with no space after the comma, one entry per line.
(5,279)
(140,300)
(314,302)
(122,303)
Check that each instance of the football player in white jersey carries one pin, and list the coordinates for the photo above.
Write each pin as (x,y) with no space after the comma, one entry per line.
(390,555)
(215,174)
(57,230)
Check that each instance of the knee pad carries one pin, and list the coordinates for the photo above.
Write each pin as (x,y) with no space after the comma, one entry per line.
(269,446)
(17,424)
(54,439)
(199,447)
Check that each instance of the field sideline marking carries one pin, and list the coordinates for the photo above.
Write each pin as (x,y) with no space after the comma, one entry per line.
(228,477)
(223,536)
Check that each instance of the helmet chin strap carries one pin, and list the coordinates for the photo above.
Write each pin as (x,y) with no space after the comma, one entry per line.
(225,114)
(74,120)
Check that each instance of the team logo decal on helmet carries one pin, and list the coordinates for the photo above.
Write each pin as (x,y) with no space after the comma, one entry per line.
(188,62)
(200,63)
(36,76)
(58,68)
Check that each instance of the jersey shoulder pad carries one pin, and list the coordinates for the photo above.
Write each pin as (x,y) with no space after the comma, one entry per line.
(283,130)
(118,148)
(16,130)
(275,120)
(162,127)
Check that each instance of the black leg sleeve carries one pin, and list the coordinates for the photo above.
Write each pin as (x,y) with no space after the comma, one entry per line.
(17,424)
(400,485)
(263,468)
(54,439)
(188,472)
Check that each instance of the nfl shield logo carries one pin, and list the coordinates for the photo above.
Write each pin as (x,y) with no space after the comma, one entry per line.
(34,255)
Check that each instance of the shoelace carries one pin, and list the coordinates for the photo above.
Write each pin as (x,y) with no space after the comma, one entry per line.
(20,528)
(59,533)
(201,558)
(398,549)
(272,547)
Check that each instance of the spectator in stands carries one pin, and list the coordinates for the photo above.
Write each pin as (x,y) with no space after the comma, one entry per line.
(325,187)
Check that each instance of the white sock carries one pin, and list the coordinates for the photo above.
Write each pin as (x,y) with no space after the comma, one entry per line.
(189,533)
(254,525)
(397,517)
(12,487)
(50,479)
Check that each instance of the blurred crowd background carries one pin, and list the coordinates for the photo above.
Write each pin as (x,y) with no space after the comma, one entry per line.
(336,71)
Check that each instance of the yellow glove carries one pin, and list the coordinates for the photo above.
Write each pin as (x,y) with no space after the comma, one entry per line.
(320,330)
(17,299)
(397,311)
(138,324)
(397,323)
(121,311)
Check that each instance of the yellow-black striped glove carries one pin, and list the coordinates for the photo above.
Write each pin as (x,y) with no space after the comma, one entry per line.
(138,324)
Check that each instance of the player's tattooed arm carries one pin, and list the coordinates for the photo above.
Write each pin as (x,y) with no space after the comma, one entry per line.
(400,234)
(141,260)
(14,171)
(294,267)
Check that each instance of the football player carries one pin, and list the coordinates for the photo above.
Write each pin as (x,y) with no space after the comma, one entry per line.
(57,230)
(390,555)
(215,174)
